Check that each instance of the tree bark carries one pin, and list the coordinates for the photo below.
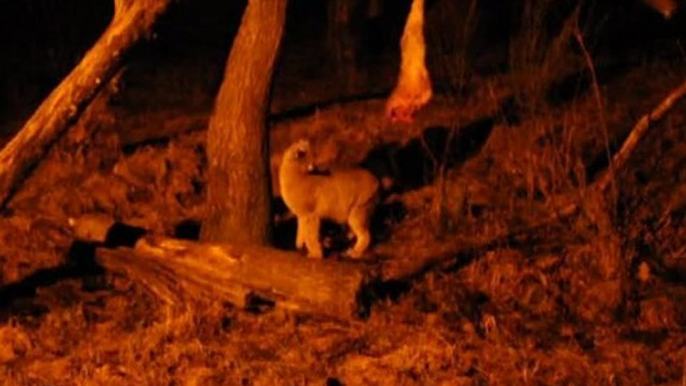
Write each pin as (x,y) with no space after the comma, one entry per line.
(665,7)
(341,43)
(239,192)
(132,21)
(176,270)
(413,89)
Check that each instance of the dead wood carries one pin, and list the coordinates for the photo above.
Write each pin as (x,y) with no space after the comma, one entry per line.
(176,270)
(638,132)
(132,21)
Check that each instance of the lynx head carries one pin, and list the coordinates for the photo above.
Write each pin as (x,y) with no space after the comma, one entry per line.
(299,151)
(299,155)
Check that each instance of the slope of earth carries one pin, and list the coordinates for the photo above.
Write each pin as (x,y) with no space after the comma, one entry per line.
(593,299)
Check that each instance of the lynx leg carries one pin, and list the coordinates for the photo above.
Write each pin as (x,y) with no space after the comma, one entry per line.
(310,235)
(299,237)
(349,234)
(359,224)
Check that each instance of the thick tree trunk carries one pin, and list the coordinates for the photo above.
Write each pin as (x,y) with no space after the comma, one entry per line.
(176,270)
(239,192)
(132,21)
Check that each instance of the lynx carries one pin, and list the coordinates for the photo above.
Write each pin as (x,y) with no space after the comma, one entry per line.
(346,196)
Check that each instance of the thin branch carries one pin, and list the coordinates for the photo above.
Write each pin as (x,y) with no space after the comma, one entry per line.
(639,130)
(596,91)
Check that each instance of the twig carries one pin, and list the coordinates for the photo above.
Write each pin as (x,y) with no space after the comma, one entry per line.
(620,158)
(596,91)
(639,130)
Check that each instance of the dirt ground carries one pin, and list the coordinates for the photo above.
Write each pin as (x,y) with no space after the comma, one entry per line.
(593,299)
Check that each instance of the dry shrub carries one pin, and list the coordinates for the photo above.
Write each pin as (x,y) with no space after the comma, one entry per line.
(596,277)
(511,281)
(124,337)
(34,235)
(14,343)
(541,55)
(155,187)
(400,366)
(657,314)
(88,148)
(165,185)
(541,165)
(544,159)
(22,252)
(450,37)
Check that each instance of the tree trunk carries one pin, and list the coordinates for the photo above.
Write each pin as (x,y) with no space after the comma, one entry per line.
(239,192)
(413,89)
(665,7)
(341,43)
(132,21)
(175,270)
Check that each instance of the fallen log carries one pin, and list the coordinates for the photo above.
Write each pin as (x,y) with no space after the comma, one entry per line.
(132,21)
(178,269)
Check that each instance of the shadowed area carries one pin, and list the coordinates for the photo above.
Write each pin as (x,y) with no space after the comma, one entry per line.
(417,163)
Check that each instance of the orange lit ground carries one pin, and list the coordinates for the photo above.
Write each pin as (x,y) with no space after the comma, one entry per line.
(543,311)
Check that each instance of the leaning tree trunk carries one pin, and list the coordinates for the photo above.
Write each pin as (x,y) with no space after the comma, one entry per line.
(239,193)
(133,20)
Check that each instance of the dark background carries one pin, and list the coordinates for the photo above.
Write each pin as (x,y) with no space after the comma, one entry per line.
(44,39)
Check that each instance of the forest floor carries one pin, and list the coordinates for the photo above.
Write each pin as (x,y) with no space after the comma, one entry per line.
(593,299)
